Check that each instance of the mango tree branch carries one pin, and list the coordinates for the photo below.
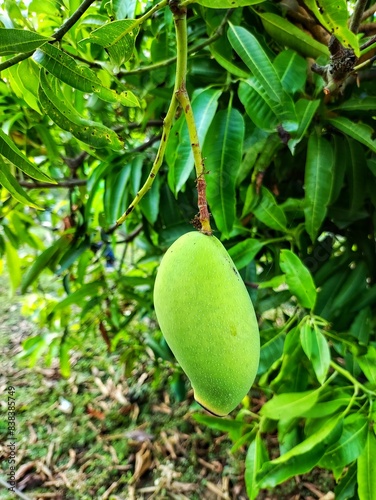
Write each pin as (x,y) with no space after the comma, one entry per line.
(369,12)
(167,124)
(356,18)
(167,62)
(64,28)
(180,19)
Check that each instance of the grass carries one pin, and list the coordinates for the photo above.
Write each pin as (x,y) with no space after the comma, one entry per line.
(98,430)
(100,434)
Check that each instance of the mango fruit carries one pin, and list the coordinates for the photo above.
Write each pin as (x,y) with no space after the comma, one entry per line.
(208,320)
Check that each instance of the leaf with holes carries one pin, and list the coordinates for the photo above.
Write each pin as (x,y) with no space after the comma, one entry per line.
(92,133)
(117,38)
(80,77)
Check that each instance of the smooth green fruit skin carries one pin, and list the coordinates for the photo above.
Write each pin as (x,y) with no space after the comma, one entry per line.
(208,320)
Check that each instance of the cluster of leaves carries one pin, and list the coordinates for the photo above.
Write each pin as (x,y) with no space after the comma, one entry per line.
(291,188)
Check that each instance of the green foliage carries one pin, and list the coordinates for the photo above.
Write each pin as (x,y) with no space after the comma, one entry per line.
(291,188)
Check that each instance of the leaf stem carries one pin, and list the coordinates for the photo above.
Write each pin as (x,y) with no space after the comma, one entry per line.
(348,375)
(167,124)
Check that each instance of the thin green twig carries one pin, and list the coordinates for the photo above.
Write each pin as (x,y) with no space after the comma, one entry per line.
(352,379)
(167,62)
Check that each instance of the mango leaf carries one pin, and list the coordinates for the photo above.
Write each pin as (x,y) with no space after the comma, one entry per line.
(233,427)
(13,41)
(269,353)
(116,194)
(8,181)
(244,252)
(366,103)
(292,70)
(227,4)
(78,296)
(316,348)
(92,133)
(20,79)
(301,458)
(117,38)
(13,265)
(42,262)
(367,468)
(150,202)
(257,455)
(222,53)
(274,282)
(350,445)
(179,154)
(367,363)
(346,488)
(288,35)
(298,279)
(333,15)
(356,281)
(14,155)
(341,159)
(65,68)
(328,407)
(223,151)
(252,96)
(356,173)
(358,131)
(252,54)
(268,212)
(318,182)
(293,404)
(305,111)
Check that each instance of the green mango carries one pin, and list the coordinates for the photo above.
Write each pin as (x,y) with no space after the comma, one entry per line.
(208,320)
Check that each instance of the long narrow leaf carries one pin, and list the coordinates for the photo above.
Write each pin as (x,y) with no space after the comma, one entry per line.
(92,133)
(252,54)
(298,279)
(8,181)
(179,154)
(13,41)
(65,68)
(367,469)
(223,151)
(333,15)
(318,182)
(14,155)
(288,35)
(358,131)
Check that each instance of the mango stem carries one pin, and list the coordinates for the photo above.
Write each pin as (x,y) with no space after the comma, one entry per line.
(180,20)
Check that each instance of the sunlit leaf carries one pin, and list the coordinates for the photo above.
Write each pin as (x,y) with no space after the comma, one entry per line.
(8,181)
(289,35)
(333,15)
(13,41)
(64,67)
(367,468)
(92,133)
(298,279)
(15,156)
